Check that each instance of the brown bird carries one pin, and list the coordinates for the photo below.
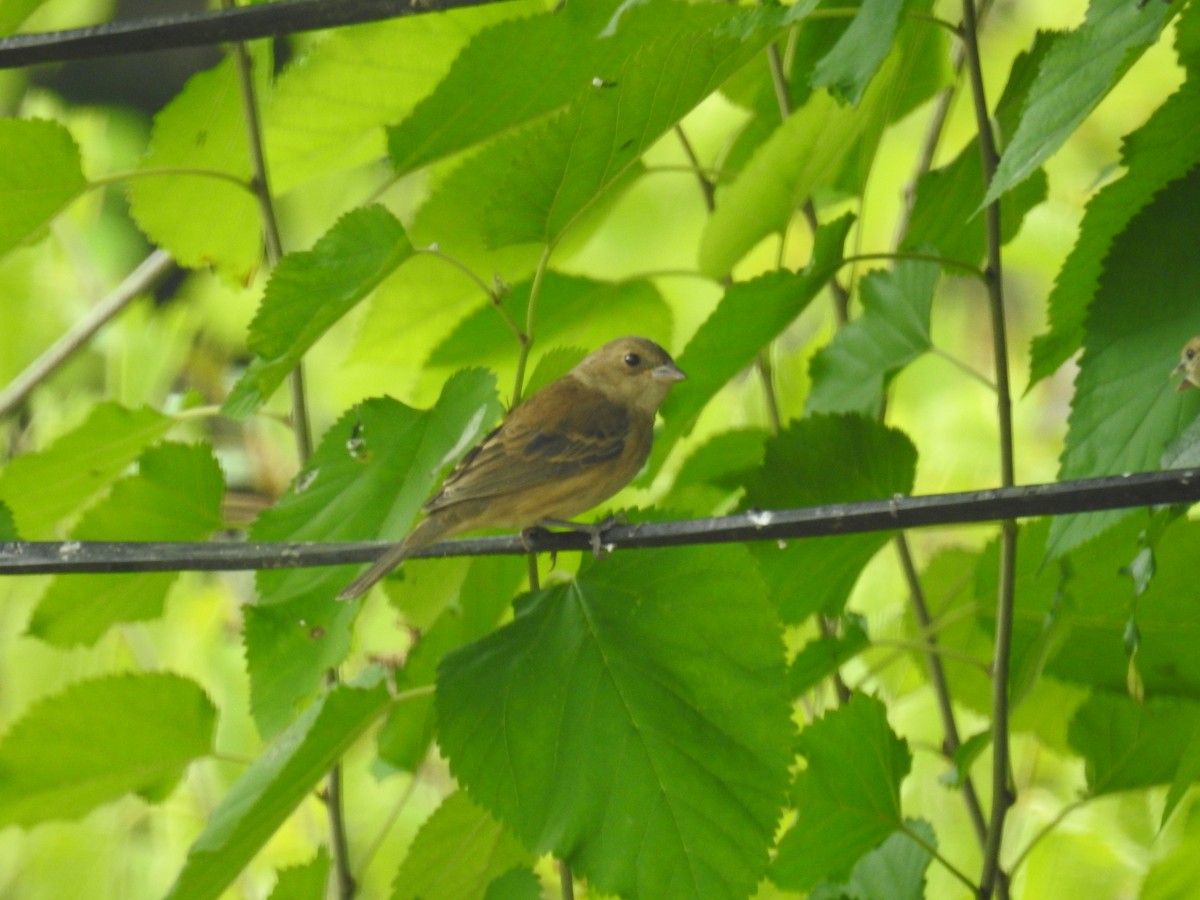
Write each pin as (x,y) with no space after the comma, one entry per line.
(1189,365)
(570,446)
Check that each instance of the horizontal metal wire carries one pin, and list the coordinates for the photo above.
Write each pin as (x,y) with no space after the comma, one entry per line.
(1180,486)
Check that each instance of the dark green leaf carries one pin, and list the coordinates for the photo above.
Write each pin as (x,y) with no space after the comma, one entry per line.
(895,870)
(367,479)
(310,291)
(847,799)
(855,58)
(516,884)
(633,722)
(965,756)
(1078,72)
(823,656)
(457,853)
(8,528)
(175,496)
(749,317)
(99,740)
(1124,412)
(274,785)
(45,487)
(851,373)
(41,175)
(303,882)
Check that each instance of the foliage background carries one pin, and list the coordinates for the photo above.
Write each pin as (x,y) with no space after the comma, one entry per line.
(136,709)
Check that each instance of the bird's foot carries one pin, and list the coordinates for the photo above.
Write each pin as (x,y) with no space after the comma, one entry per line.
(594,532)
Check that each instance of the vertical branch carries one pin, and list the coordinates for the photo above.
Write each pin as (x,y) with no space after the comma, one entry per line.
(1002,792)
(301,428)
(526,337)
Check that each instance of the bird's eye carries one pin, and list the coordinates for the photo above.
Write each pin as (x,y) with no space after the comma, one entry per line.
(1189,353)
(632,360)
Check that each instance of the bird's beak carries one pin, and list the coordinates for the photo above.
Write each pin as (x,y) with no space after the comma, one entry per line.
(668,372)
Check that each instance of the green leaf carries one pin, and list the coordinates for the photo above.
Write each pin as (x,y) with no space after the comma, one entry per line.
(100,740)
(895,870)
(965,756)
(14,12)
(8,528)
(367,479)
(45,487)
(41,175)
(274,785)
(175,496)
(310,291)
(817,461)
(1186,775)
(1124,412)
(1161,151)
(856,57)
(1184,451)
(749,316)
(515,884)
(303,882)
(571,310)
(457,853)
(847,799)
(1128,745)
(633,722)
(1078,72)
(820,658)
(203,220)
(852,372)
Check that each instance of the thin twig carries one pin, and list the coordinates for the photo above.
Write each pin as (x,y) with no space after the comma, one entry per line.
(1002,789)
(525,338)
(148,273)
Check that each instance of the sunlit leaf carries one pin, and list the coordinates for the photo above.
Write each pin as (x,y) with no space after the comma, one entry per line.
(41,175)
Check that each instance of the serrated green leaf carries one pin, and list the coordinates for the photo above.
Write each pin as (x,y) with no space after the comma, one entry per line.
(309,291)
(895,870)
(175,496)
(457,853)
(848,797)
(203,220)
(852,372)
(855,58)
(641,720)
(304,882)
(817,461)
(1124,411)
(820,658)
(1159,152)
(1078,72)
(367,479)
(41,175)
(749,316)
(571,310)
(1128,745)
(100,740)
(45,487)
(274,785)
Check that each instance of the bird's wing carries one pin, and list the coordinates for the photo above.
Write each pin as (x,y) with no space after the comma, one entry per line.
(552,436)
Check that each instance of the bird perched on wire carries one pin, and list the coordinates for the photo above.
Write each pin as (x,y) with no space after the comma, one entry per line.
(1189,365)
(567,448)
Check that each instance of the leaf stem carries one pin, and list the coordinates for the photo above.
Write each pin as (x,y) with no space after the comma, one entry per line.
(525,338)
(1003,792)
(495,292)
(168,171)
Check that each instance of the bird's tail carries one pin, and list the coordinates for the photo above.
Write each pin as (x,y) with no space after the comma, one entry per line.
(427,532)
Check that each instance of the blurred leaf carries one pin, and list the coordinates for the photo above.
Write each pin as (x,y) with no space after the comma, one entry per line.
(1124,412)
(8,528)
(1128,745)
(310,291)
(303,882)
(851,373)
(1078,72)
(1186,775)
(847,799)
(1162,150)
(515,884)
(275,784)
(749,316)
(946,213)
(724,460)
(642,719)
(41,175)
(457,853)
(175,496)
(99,740)
(1175,872)
(45,487)
(855,58)
(571,310)
(203,220)
(820,658)
(1184,451)
(814,462)
(553,365)
(14,12)
(367,479)
(895,870)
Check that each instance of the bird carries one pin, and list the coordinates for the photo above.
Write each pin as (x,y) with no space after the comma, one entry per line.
(564,450)
(1189,365)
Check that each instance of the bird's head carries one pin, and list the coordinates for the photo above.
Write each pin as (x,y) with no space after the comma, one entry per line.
(633,371)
